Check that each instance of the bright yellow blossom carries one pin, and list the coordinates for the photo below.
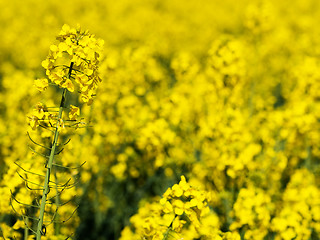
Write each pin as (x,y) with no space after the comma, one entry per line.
(74,112)
(41,84)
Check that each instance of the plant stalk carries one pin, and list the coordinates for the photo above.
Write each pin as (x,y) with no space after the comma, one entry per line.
(46,188)
(26,230)
(57,223)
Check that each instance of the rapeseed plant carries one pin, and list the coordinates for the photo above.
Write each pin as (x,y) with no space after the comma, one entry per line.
(72,64)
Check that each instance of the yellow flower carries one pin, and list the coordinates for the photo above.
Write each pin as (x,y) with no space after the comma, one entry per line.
(63,47)
(61,125)
(18,224)
(33,122)
(178,224)
(65,29)
(68,85)
(74,112)
(177,191)
(41,84)
(183,183)
(178,206)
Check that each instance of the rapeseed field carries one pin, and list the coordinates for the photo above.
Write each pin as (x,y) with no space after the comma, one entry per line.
(160,120)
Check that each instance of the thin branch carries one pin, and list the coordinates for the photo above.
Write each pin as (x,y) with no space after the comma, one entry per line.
(46,128)
(61,166)
(28,171)
(26,183)
(25,223)
(36,142)
(50,199)
(69,236)
(21,203)
(69,216)
(59,152)
(67,141)
(21,215)
(40,154)
(63,187)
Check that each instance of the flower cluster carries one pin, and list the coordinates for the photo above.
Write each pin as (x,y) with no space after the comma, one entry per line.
(42,116)
(226,63)
(252,211)
(182,199)
(74,60)
(182,213)
(300,213)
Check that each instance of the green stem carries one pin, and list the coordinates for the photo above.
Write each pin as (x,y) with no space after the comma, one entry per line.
(57,224)
(46,188)
(49,167)
(26,230)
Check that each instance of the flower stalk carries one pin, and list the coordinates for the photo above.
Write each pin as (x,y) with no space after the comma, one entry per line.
(46,188)
(49,168)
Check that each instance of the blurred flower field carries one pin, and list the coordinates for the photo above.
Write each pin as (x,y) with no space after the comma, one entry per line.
(206,124)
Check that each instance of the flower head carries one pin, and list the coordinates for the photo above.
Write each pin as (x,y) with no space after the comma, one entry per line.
(74,112)
(73,62)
